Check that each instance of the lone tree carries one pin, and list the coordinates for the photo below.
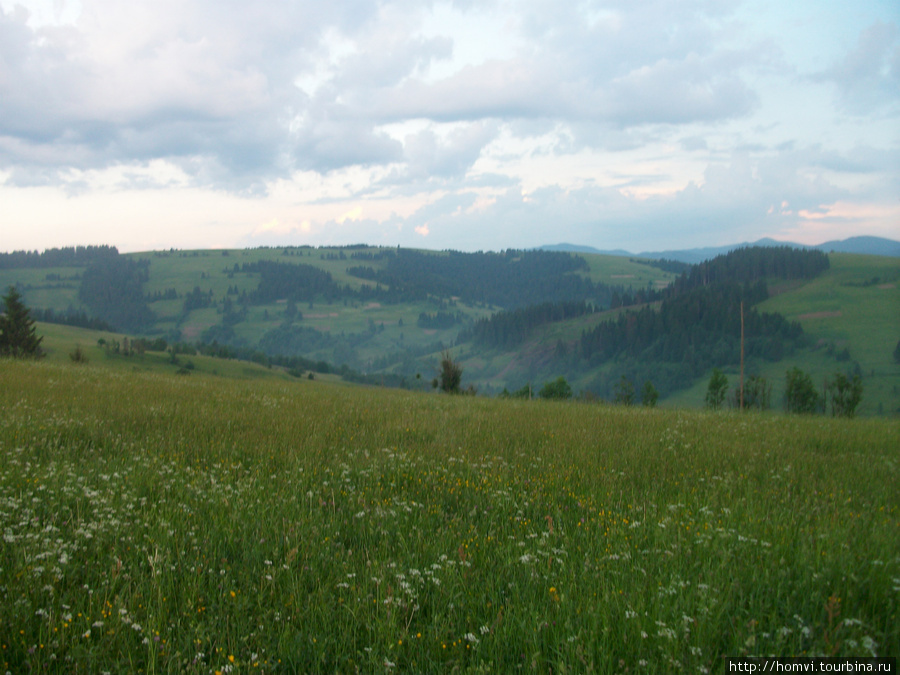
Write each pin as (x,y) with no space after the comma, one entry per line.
(624,392)
(451,374)
(715,392)
(757,393)
(649,395)
(558,389)
(800,395)
(18,337)
(846,394)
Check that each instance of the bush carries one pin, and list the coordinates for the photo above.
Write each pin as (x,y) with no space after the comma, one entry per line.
(78,355)
(649,395)
(558,390)
(846,394)
(451,374)
(715,392)
(757,394)
(800,395)
(624,393)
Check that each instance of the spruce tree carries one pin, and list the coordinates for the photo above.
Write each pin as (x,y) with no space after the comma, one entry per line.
(18,336)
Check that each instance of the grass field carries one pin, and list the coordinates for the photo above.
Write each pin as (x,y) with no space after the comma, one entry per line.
(156,523)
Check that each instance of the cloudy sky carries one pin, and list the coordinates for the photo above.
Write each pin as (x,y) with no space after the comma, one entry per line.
(472,125)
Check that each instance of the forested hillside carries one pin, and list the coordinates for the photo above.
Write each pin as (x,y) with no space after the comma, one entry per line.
(508,279)
(699,321)
(72,256)
(512,318)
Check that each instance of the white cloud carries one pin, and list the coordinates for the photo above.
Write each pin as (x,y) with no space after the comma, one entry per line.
(868,77)
(489,124)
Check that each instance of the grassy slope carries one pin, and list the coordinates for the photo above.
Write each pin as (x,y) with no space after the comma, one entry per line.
(163,524)
(60,341)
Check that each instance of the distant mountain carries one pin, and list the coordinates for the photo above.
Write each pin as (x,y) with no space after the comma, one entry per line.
(867,245)
(864,245)
(575,248)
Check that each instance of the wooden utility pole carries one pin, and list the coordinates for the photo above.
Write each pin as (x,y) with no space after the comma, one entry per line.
(742,356)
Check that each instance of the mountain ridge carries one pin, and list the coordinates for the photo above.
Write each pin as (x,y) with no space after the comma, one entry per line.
(866,245)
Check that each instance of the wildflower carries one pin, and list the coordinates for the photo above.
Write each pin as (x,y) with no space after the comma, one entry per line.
(869,645)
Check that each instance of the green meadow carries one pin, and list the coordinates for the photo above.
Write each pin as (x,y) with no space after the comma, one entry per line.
(159,523)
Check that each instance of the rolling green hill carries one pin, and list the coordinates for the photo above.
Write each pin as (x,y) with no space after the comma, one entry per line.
(391,312)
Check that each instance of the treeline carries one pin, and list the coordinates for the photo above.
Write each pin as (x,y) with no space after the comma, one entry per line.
(70,317)
(507,329)
(664,264)
(507,279)
(70,256)
(439,320)
(750,264)
(369,255)
(300,283)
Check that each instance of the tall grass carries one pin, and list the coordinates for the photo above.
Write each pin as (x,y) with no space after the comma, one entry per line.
(153,523)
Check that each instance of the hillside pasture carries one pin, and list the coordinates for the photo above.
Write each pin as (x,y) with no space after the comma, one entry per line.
(854,306)
(156,523)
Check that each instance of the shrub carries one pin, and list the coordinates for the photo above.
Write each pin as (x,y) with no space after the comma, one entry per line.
(624,393)
(846,394)
(558,390)
(649,395)
(715,392)
(800,395)
(78,355)
(451,374)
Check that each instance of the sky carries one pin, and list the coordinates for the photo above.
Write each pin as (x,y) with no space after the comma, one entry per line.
(642,125)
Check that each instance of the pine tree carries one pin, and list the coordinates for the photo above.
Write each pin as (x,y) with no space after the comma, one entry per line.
(18,336)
